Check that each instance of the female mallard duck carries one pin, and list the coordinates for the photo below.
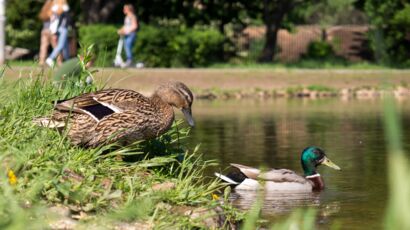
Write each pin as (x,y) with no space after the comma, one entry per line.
(120,115)
(283,179)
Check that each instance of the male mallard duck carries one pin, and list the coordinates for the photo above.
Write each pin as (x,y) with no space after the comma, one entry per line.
(120,115)
(283,179)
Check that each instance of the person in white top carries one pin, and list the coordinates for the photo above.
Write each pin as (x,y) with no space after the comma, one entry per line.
(129,31)
(59,23)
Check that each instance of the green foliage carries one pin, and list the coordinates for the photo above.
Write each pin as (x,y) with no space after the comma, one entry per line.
(389,36)
(300,219)
(23,26)
(321,88)
(153,45)
(397,213)
(22,38)
(328,12)
(319,50)
(251,53)
(253,215)
(105,40)
(13,216)
(197,47)
(158,46)
(171,46)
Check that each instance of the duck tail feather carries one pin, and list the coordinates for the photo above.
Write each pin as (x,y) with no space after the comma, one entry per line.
(226,179)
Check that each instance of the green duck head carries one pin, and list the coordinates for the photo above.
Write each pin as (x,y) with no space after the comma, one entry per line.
(312,157)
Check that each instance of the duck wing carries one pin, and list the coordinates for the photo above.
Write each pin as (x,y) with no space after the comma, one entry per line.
(274,175)
(103,103)
(250,172)
(282,175)
(128,126)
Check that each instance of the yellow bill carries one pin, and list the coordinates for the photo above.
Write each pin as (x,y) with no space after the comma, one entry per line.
(329,163)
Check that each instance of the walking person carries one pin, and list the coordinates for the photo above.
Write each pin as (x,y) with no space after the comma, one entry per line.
(47,38)
(59,23)
(129,31)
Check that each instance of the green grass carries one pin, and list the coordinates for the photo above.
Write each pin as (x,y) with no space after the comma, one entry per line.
(397,213)
(108,187)
(301,64)
(320,88)
(28,63)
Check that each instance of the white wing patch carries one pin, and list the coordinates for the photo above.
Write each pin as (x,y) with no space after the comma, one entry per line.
(111,106)
(225,178)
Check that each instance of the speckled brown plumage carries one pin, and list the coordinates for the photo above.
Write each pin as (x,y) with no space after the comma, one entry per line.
(120,115)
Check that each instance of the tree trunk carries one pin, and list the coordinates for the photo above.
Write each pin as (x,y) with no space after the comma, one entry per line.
(274,12)
(270,42)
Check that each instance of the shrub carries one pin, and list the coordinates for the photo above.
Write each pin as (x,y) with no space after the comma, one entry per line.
(389,33)
(197,47)
(158,46)
(153,45)
(22,24)
(174,46)
(319,50)
(24,38)
(105,40)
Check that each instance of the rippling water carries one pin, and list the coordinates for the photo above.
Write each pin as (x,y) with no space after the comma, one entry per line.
(273,133)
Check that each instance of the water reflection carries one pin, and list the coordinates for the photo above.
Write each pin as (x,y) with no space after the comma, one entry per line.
(273,133)
(275,203)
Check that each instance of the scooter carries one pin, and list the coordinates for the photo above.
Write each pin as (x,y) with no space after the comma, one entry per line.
(118,61)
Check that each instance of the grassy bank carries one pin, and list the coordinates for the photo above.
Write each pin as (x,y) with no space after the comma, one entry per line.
(153,183)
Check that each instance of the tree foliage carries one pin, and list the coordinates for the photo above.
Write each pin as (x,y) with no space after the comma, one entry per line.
(274,13)
(98,11)
(159,46)
(23,25)
(390,19)
(390,35)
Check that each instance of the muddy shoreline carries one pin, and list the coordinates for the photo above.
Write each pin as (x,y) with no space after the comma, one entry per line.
(398,92)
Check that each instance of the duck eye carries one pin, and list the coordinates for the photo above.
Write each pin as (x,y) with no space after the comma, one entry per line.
(319,153)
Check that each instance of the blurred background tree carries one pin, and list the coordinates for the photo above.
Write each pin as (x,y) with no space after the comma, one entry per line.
(389,22)
(23,25)
(274,13)
(98,11)
(390,31)
(331,12)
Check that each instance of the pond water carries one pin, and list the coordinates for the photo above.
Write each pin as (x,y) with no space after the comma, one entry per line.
(272,133)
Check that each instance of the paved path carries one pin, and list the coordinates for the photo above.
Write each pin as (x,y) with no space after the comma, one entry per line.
(147,79)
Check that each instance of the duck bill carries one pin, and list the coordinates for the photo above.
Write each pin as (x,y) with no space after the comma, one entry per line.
(188,116)
(330,164)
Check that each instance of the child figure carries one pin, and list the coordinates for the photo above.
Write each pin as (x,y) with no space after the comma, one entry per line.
(129,31)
